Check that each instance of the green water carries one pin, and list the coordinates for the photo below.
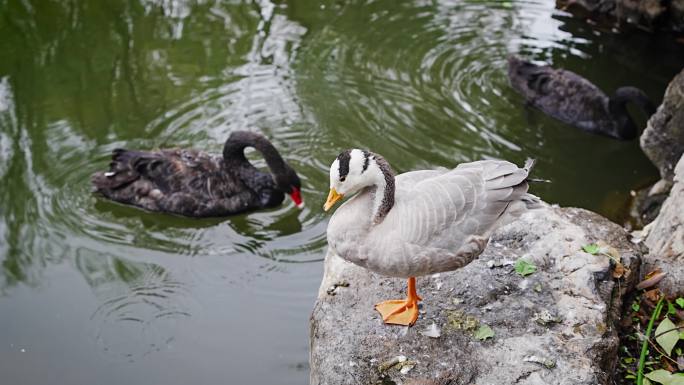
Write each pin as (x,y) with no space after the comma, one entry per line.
(94,292)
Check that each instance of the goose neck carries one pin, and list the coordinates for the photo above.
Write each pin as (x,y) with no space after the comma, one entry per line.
(382,191)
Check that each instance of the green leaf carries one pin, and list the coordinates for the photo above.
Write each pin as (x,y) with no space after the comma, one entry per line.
(635,306)
(524,268)
(676,379)
(670,308)
(666,335)
(661,375)
(591,248)
(646,381)
(680,302)
(484,332)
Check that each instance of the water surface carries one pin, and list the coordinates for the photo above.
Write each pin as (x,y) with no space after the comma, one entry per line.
(96,292)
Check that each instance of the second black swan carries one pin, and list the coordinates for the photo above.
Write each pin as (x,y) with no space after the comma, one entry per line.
(195,184)
(574,100)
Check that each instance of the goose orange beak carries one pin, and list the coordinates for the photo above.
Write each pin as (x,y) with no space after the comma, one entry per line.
(333,197)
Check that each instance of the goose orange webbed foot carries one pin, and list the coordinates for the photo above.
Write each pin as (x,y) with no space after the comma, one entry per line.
(398,312)
(401,311)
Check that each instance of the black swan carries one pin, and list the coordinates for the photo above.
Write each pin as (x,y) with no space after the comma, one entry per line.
(573,99)
(195,184)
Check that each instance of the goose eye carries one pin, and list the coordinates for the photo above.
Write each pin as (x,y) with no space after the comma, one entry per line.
(342,178)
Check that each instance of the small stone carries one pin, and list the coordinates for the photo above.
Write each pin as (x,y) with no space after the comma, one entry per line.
(546,362)
(384,366)
(332,290)
(406,368)
(431,331)
(495,263)
(545,317)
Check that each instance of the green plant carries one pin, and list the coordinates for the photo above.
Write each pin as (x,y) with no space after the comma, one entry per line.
(680,301)
(644,346)
(667,335)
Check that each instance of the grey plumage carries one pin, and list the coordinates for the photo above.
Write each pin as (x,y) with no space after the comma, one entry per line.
(440,220)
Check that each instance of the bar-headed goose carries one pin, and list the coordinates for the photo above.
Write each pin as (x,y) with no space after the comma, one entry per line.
(419,222)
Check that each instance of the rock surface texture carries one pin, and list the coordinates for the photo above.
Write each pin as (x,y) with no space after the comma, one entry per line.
(663,138)
(665,238)
(557,325)
(650,14)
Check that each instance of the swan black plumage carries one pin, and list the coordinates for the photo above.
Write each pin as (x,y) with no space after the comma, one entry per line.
(195,184)
(574,100)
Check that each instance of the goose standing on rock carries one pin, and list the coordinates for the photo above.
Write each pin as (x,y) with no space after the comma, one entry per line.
(419,222)
(574,100)
(195,184)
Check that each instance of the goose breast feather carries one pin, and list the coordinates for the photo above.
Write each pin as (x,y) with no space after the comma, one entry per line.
(440,221)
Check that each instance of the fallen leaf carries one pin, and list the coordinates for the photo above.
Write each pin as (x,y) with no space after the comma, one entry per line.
(667,335)
(619,271)
(652,273)
(484,332)
(591,248)
(651,280)
(652,295)
(524,268)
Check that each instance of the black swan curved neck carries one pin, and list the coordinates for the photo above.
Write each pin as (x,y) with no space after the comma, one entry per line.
(234,151)
(617,107)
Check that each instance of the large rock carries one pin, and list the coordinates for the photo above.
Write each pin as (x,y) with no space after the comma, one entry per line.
(665,238)
(556,326)
(663,138)
(650,14)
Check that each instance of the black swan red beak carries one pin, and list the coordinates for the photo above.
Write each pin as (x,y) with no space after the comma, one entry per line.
(296,196)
